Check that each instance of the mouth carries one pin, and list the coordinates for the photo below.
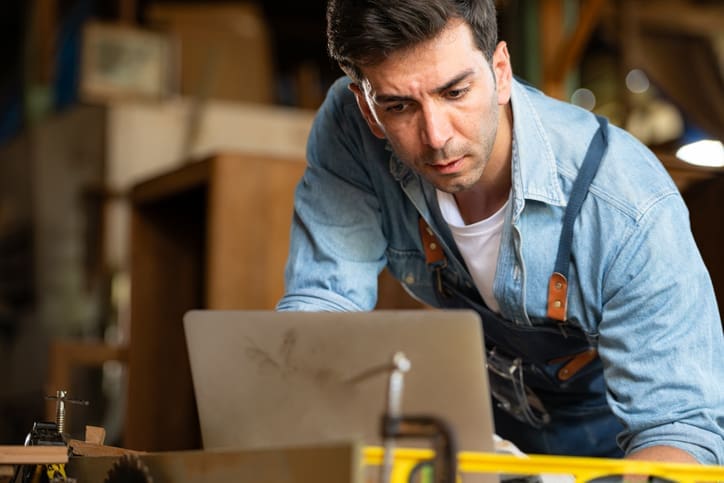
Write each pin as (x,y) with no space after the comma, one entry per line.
(448,167)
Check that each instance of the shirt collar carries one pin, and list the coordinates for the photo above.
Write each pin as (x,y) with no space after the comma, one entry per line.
(534,170)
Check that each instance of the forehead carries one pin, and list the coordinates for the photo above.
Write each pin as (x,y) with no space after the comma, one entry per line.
(428,64)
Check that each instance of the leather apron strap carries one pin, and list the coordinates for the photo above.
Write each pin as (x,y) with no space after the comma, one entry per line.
(558,283)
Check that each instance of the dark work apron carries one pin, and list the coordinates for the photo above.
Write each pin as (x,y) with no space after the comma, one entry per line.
(546,380)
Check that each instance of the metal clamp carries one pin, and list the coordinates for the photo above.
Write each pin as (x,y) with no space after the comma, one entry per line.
(396,425)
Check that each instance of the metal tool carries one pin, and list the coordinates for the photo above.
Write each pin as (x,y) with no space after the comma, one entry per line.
(129,469)
(61,398)
(48,433)
(400,365)
(396,425)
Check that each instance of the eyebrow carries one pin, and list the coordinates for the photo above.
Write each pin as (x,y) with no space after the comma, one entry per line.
(386,98)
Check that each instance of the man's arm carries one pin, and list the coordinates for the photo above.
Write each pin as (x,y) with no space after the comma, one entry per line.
(661,342)
(337,248)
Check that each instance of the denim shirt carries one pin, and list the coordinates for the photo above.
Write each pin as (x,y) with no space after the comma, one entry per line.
(638,287)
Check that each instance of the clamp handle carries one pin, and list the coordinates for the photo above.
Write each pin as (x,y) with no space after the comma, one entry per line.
(396,425)
(61,398)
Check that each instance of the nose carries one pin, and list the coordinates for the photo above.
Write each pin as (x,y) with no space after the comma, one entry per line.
(436,128)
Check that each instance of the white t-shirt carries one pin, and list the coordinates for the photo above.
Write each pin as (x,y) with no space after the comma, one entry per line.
(479,244)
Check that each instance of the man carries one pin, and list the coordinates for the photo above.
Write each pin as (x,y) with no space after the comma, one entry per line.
(564,233)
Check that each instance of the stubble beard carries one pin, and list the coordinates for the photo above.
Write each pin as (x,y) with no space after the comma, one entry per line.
(472,175)
(487,136)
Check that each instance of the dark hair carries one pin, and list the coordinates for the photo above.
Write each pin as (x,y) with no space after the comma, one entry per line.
(365,32)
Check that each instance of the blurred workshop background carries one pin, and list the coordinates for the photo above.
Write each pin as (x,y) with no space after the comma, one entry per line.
(144,142)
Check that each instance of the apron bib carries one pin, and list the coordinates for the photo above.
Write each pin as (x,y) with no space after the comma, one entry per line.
(546,380)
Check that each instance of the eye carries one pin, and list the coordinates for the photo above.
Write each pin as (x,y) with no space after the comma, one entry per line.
(396,107)
(457,93)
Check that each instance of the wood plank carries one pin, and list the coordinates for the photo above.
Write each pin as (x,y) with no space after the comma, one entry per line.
(95,435)
(31,455)
(339,463)
(83,448)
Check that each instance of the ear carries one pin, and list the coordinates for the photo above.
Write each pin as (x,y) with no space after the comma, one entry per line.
(503,72)
(366,111)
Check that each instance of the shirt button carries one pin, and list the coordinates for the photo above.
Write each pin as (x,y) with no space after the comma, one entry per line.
(409,279)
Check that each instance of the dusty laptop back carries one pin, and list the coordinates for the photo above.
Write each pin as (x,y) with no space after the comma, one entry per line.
(274,379)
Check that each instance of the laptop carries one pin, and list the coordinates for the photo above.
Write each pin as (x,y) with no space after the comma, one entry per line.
(266,379)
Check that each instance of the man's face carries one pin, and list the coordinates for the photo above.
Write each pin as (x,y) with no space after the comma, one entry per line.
(438,105)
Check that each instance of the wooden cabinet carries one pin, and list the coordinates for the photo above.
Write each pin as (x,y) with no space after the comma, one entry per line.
(211,234)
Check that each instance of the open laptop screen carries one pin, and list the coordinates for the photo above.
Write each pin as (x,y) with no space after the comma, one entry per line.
(274,379)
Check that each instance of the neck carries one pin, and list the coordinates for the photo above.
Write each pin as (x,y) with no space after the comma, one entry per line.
(492,189)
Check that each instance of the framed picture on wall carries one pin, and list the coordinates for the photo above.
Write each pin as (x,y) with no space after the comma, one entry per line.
(123,62)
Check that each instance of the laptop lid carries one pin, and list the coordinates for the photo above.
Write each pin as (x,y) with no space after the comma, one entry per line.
(276,379)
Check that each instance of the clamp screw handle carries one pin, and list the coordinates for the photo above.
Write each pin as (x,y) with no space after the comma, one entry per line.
(61,398)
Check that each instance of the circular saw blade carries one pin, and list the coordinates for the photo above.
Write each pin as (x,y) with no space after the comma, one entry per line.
(129,469)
